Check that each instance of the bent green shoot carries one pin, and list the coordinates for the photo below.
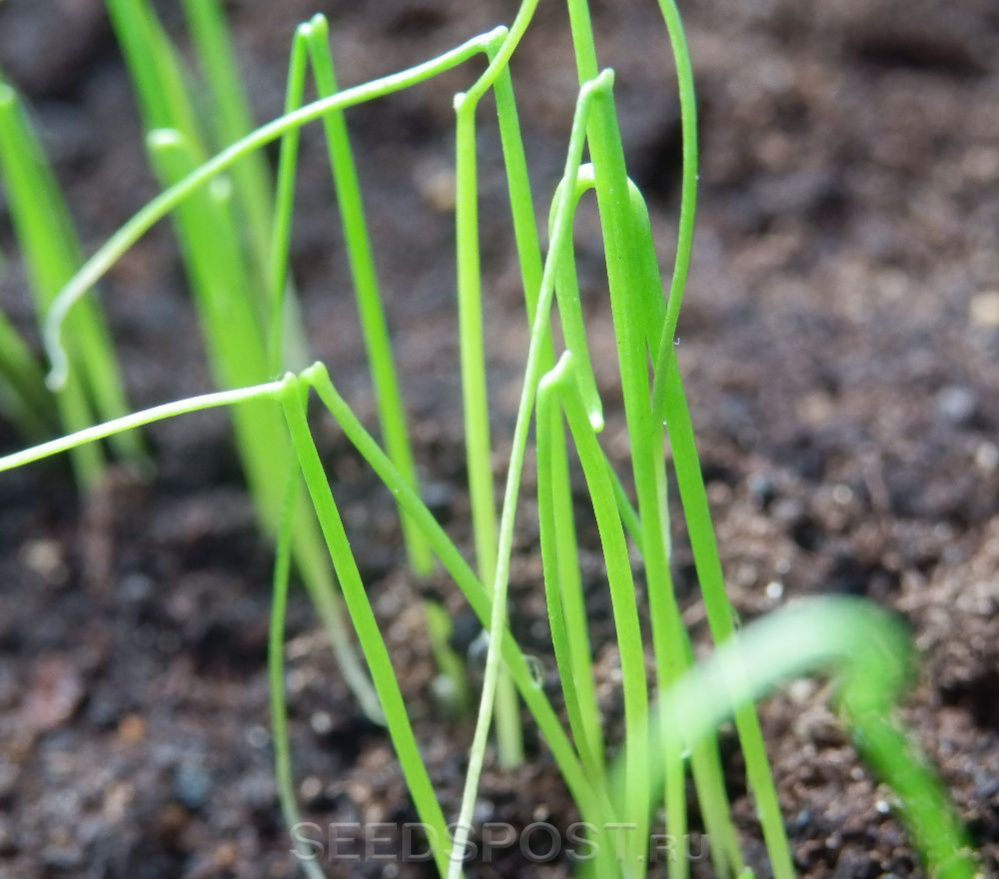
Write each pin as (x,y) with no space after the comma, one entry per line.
(311,42)
(52,254)
(590,93)
(135,420)
(613,200)
(278,273)
(644,279)
(569,631)
(631,264)
(369,634)
(237,356)
(160,207)
(688,198)
(593,802)
(236,243)
(233,119)
(290,394)
(559,388)
(283,777)
(374,327)
(155,70)
(475,395)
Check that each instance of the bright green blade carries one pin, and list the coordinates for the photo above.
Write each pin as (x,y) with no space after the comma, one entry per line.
(51,254)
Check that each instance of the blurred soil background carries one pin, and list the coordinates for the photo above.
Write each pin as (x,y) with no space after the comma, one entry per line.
(841,347)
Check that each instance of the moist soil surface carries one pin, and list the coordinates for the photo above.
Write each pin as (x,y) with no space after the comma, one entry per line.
(841,348)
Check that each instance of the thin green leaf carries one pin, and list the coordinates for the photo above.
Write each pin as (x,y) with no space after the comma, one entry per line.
(374,327)
(366,625)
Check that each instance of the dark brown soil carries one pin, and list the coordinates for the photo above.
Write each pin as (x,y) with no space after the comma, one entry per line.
(841,344)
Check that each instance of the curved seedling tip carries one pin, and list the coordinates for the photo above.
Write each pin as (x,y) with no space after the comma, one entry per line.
(567,291)
(492,44)
(525,408)
(566,372)
(216,400)
(159,142)
(58,373)
(569,306)
(304,30)
(499,45)
(557,374)
(291,382)
(604,81)
(492,41)
(586,179)
(315,373)
(169,146)
(98,264)
(319,24)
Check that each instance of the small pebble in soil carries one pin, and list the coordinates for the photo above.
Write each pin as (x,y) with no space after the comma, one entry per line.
(57,689)
(192,785)
(103,713)
(45,558)
(801,690)
(983,311)
(310,788)
(484,811)
(317,796)
(842,494)
(987,457)
(256,790)
(762,489)
(136,588)
(987,790)
(321,723)
(132,729)
(800,822)
(438,496)
(298,680)
(957,405)
(257,737)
